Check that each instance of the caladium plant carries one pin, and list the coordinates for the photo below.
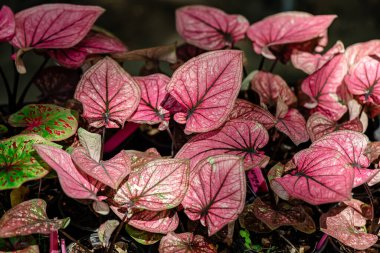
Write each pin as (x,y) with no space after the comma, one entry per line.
(257,147)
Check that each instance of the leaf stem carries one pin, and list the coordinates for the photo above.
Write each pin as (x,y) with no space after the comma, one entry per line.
(122,223)
(29,84)
(87,250)
(261,65)
(273,66)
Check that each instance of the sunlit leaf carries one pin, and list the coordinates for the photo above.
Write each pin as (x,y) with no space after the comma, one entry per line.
(91,142)
(185,243)
(356,52)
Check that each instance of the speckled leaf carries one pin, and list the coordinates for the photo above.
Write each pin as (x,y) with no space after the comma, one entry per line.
(282,29)
(155,222)
(91,142)
(210,28)
(270,87)
(363,80)
(161,184)
(207,86)
(248,111)
(322,85)
(27,218)
(138,158)
(109,94)
(320,176)
(19,162)
(7,24)
(105,231)
(101,207)
(52,122)
(74,183)
(242,138)
(351,145)
(19,244)
(309,63)
(161,53)
(372,151)
(185,243)
(356,52)
(343,224)
(217,191)
(143,237)
(96,42)
(111,172)
(319,125)
(153,93)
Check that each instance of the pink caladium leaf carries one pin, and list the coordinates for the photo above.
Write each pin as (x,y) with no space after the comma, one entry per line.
(207,86)
(7,24)
(109,94)
(161,184)
(319,125)
(257,180)
(372,151)
(247,111)
(19,162)
(52,122)
(375,179)
(96,42)
(356,111)
(363,80)
(346,224)
(105,231)
(139,159)
(309,63)
(91,142)
(242,138)
(27,218)
(111,172)
(321,87)
(185,243)
(161,222)
(291,122)
(270,87)
(320,176)
(271,34)
(218,203)
(356,52)
(351,145)
(153,94)
(74,183)
(164,53)
(210,28)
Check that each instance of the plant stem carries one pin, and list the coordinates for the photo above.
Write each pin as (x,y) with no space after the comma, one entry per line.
(87,250)
(122,223)
(273,66)
(29,84)
(261,65)
(6,83)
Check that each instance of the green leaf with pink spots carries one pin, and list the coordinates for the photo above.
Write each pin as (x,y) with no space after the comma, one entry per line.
(19,162)
(52,122)
(27,218)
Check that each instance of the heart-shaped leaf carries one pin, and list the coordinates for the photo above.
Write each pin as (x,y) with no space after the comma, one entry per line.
(237,137)
(19,244)
(351,145)
(139,159)
(309,63)
(270,87)
(363,80)
(161,184)
(111,172)
(153,94)
(248,111)
(207,87)
(185,243)
(343,224)
(109,94)
(105,231)
(27,218)
(143,237)
(155,222)
(19,162)
(52,122)
(320,176)
(319,125)
(356,52)
(74,183)
(7,24)
(210,28)
(217,191)
(322,85)
(269,34)
(96,42)
(91,142)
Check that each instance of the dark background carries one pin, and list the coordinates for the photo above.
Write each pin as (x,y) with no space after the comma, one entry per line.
(147,23)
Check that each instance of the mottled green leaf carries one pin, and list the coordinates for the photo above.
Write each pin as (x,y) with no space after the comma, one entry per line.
(143,237)
(19,162)
(52,122)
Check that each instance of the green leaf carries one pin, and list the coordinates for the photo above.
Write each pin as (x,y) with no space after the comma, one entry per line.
(143,237)
(19,162)
(3,129)
(52,122)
